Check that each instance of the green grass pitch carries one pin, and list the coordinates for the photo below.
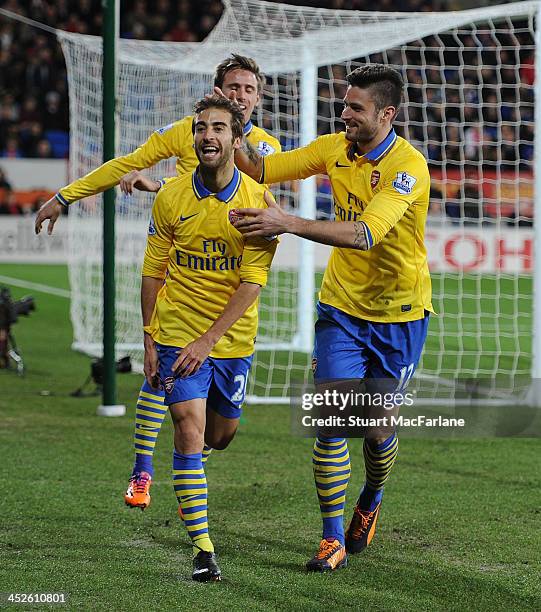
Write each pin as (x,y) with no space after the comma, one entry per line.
(459,527)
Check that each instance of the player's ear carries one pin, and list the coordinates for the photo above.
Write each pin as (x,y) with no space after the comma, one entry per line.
(237,142)
(389,113)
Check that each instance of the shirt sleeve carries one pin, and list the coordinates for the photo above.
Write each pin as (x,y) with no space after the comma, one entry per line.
(257,257)
(407,184)
(263,142)
(162,144)
(276,144)
(275,147)
(297,164)
(159,239)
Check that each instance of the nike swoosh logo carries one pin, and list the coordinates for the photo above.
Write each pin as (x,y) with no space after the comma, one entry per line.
(342,166)
(188,498)
(181,218)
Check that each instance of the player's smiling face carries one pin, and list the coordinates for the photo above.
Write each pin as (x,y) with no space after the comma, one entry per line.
(241,85)
(363,121)
(213,138)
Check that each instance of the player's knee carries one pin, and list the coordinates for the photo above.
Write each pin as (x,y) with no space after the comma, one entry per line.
(188,433)
(219,441)
(373,442)
(377,439)
(188,442)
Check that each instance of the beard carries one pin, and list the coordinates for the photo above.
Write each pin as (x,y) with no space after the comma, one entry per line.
(221,159)
(363,134)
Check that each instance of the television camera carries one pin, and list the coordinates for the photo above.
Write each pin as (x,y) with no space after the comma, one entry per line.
(10,310)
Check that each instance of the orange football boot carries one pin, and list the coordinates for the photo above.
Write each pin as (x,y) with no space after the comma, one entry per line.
(362,528)
(137,495)
(330,556)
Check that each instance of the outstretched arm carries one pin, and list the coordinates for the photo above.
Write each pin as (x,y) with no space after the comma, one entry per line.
(161,145)
(106,176)
(349,234)
(139,181)
(51,210)
(256,222)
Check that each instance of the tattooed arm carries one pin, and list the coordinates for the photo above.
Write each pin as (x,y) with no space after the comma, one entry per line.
(271,221)
(252,153)
(352,235)
(248,160)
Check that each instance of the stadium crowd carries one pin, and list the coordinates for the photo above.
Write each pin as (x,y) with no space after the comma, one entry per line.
(470,116)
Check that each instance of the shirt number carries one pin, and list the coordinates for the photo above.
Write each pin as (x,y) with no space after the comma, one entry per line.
(405,376)
(241,381)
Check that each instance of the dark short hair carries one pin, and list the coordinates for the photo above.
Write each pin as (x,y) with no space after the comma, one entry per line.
(238,62)
(237,116)
(386,84)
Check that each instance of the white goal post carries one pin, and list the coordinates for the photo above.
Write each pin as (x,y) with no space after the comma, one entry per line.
(469,106)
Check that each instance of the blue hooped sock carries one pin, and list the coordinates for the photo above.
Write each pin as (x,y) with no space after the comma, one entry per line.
(143,463)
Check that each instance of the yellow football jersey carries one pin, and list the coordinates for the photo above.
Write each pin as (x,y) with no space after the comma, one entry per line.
(174,140)
(387,189)
(203,259)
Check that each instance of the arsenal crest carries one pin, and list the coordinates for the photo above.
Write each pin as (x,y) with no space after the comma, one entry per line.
(169,384)
(233,216)
(374,178)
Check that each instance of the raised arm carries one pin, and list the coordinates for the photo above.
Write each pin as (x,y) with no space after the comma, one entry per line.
(249,160)
(162,144)
(141,182)
(297,164)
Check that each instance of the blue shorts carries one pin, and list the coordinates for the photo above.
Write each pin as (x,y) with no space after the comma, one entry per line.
(222,381)
(350,348)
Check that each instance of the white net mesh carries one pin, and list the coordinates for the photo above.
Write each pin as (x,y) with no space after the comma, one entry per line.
(468,107)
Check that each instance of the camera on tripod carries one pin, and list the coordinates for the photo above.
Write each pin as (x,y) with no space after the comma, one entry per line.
(122,366)
(10,310)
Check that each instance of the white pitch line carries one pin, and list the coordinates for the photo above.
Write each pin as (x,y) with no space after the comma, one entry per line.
(35,286)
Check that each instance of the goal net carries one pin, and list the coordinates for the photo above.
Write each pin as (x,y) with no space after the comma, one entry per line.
(469,107)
